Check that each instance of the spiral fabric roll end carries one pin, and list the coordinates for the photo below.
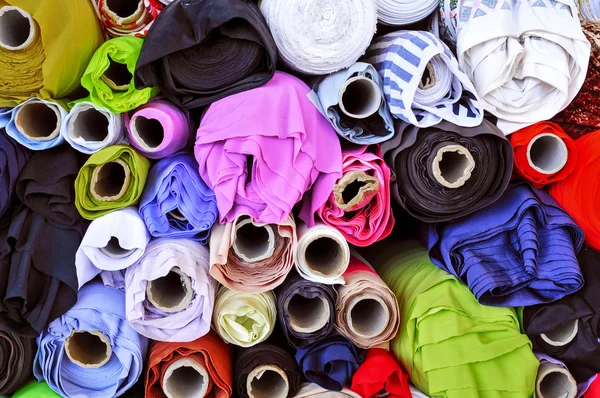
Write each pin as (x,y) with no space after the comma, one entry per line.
(554,381)
(185,378)
(89,349)
(267,381)
(18,30)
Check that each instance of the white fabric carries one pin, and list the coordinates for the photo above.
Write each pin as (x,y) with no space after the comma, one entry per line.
(416,393)
(315,391)
(115,129)
(590,9)
(404,12)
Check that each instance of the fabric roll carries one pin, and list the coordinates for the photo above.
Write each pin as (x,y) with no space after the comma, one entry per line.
(278,151)
(91,351)
(89,128)
(111,243)
(519,82)
(199,52)
(250,257)
(44,48)
(34,389)
(366,309)
(380,374)
(109,76)
(404,12)
(169,292)
(123,18)
(354,102)
(308,44)
(434,356)
(13,158)
(316,391)
(306,310)
(244,319)
(359,206)
(17,355)
(176,203)
(274,365)
(422,81)
(208,354)
(111,179)
(589,9)
(35,124)
(556,385)
(446,172)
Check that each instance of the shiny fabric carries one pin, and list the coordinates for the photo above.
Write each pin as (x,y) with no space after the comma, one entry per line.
(380,373)
(17,355)
(13,158)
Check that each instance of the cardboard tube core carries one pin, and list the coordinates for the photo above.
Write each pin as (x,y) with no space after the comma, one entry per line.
(267,381)
(428,77)
(368,316)
(88,349)
(253,243)
(110,180)
(554,381)
(453,165)
(117,76)
(562,335)
(38,121)
(547,153)
(360,97)
(123,8)
(149,133)
(170,293)
(307,315)
(89,124)
(324,256)
(185,378)
(113,249)
(354,189)
(17,28)
(176,214)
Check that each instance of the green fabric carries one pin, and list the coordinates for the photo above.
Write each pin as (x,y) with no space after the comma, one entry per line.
(450,344)
(35,390)
(91,208)
(123,50)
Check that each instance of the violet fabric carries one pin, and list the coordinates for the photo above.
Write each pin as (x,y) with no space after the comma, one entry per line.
(12,160)
(265,149)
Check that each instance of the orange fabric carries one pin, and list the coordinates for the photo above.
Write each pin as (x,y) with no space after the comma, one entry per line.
(594,390)
(209,351)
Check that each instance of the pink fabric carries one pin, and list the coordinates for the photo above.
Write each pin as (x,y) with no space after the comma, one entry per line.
(261,150)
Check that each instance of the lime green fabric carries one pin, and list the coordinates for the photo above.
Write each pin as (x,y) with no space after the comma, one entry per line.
(35,390)
(90,207)
(450,344)
(124,50)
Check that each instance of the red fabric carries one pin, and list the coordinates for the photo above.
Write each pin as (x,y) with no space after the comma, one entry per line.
(357,265)
(380,372)
(594,390)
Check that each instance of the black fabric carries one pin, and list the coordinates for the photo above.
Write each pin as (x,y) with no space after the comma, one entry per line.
(16,361)
(13,158)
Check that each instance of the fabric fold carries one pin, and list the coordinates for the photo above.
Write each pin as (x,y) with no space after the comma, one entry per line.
(404,12)
(13,158)
(380,374)
(314,390)
(34,389)
(17,355)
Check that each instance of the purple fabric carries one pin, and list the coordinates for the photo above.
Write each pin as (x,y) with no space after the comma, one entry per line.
(13,158)
(581,387)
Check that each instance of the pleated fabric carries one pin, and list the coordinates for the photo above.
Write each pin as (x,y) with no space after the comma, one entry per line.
(102,310)
(123,19)
(17,355)
(380,373)
(176,203)
(404,12)
(34,389)
(13,158)
(316,391)
(278,151)
(581,387)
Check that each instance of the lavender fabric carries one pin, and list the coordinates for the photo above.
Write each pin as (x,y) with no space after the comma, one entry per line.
(13,158)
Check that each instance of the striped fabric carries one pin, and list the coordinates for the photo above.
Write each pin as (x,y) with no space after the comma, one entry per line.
(422,80)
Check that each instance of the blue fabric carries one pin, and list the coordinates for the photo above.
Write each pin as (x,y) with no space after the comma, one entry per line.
(519,251)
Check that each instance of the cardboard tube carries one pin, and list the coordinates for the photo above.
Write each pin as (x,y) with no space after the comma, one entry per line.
(149,133)
(123,11)
(110,180)
(185,378)
(307,315)
(170,293)
(547,153)
(253,243)
(176,214)
(453,165)
(367,316)
(117,76)
(354,189)
(89,124)
(88,349)
(554,381)
(360,97)
(428,79)
(563,335)
(113,249)
(322,254)
(267,381)
(17,28)
(38,121)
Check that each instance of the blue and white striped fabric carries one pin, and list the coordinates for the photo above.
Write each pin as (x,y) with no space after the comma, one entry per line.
(422,81)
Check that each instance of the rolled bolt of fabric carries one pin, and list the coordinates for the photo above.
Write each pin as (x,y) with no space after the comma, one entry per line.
(306,310)
(266,371)
(315,391)
(34,389)
(366,309)
(423,83)
(154,8)
(91,350)
(428,297)
(359,206)
(555,380)
(380,374)
(220,48)
(89,128)
(109,76)
(111,179)
(170,294)
(404,12)
(17,361)
(251,257)
(38,55)
(309,45)
(123,17)
(13,158)
(199,368)
(543,153)
(446,172)
(589,10)
(354,103)
(244,319)
(282,154)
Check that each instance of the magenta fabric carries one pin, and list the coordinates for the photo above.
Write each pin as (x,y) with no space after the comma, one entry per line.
(261,150)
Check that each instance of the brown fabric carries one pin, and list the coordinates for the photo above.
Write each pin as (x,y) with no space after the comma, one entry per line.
(16,361)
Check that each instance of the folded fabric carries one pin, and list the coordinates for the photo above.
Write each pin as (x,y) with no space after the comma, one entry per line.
(199,52)
(439,318)
(88,128)
(353,101)
(262,161)
(34,389)
(317,38)
(445,172)
(266,370)
(91,351)
(45,48)
(250,257)
(366,309)
(359,205)
(554,377)
(170,294)
(176,203)
(17,355)
(526,59)
(13,158)
(404,12)
(201,368)
(422,81)
(380,374)
(594,390)
(123,18)
(244,319)
(111,179)
(109,76)
(315,391)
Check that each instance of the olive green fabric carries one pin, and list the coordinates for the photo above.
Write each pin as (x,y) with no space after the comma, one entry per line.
(35,390)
